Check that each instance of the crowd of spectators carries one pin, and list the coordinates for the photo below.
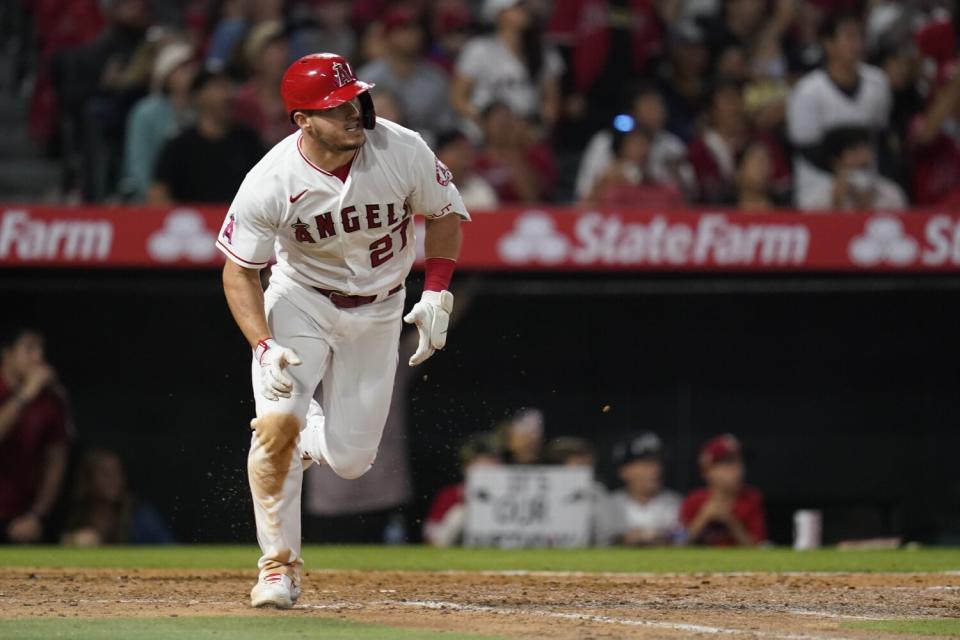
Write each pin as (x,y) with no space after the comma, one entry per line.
(751,104)
(640,511)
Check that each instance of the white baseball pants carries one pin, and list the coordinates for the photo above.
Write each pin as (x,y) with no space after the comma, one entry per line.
(349,361)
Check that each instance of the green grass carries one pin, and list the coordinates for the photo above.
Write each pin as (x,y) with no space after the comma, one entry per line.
(417,558)
(938,627)
(247,628)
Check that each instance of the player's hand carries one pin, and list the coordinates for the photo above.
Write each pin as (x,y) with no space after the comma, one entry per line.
(273,359)
(26,528)
(431,316)
(37,378)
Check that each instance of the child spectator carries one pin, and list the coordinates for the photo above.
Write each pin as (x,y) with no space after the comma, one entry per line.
(667,162)
(755,179)
(447,515)
(521,438)
(642,512)
(511,66)
(104,511)
(35,434)
(726,512)
(157,118)
(854,183)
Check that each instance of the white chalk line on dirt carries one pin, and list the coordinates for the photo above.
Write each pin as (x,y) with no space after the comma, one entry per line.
(670,626)
(717,574)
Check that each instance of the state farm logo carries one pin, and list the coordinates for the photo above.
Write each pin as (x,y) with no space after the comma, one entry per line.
(534,239)
(608,239)
(27,238)
(883,241)
(184,235)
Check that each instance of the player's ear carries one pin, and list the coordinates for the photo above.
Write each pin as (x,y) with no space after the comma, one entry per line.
(300,119)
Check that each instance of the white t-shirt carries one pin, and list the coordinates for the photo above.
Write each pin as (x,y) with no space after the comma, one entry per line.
(354,237)
(660,516)
(816,105)
(499,76)
(886,195)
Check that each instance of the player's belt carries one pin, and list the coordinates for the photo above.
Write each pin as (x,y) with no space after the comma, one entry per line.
(344,301)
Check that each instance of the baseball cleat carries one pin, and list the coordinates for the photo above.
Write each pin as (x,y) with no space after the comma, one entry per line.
(273,590)
(295,593)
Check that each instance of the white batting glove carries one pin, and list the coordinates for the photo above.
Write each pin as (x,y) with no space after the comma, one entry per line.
(431,315)
(273,359)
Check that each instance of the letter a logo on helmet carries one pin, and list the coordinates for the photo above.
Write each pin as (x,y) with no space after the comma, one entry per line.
(325,81)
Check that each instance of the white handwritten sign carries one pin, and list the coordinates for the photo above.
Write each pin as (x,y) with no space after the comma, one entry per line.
(528,506)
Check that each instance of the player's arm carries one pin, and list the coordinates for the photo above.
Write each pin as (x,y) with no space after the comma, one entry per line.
(241,286)
(443,237)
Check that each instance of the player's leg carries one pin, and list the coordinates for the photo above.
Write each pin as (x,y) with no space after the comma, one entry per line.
(274,468)
(310,434)
(357,387)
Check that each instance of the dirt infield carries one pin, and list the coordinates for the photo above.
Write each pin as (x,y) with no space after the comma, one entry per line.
(510,605)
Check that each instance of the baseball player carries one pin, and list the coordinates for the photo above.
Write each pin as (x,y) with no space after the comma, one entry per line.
(335,203)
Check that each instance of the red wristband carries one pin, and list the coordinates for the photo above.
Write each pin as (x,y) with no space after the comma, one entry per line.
(438,273)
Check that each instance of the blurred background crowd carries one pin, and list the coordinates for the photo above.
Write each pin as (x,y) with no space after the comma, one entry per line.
(749,104)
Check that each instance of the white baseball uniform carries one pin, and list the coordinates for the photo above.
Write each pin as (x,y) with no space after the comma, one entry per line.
(355,237)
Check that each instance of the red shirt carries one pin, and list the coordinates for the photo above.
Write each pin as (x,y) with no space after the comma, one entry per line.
(449,497)
(936,168)
(41,424)
(748,509)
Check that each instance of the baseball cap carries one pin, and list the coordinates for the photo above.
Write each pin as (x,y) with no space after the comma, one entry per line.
(718,449)
(399,17)
(492,8)
(645,445)
(168,59)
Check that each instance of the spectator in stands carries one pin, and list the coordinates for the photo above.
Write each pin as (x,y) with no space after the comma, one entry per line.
(518,167)
(420,86)
(934,144)
(714,153)
(98,83)
(854,183)
(450,31)
(521,438)
(726,511)
(446,517)
(629,179)
(643,512)
(602,43)
(844,92)
(35,434)
(104,511)
(681,77)
(755,192)
(667,160)
(455,150)
(208,161)
(257,103)
(326,28)
(512,67)
(157,117)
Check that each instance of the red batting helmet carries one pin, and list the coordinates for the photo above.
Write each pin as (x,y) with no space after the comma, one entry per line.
(325,81)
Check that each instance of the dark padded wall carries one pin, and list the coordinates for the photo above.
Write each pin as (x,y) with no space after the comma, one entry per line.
(844,392)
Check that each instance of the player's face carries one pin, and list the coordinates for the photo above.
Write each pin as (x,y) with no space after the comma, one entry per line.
(24,354)
(339,128)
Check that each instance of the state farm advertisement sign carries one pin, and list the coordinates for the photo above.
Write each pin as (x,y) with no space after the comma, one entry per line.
(518,239)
